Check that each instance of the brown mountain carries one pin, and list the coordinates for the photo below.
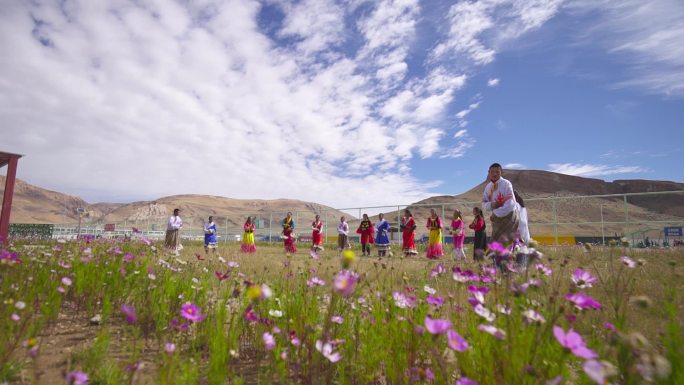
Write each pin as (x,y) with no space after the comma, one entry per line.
(539,187)
(32,204)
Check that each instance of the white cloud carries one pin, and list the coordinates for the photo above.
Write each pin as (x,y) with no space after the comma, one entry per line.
(153,100)
(594,169)
(464,142)
(493,82)
(646,36)
(515,166)
(478,29)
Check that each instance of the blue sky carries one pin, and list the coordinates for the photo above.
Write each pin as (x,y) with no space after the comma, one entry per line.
(345,103)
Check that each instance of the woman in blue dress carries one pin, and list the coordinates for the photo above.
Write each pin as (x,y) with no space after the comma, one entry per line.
(382,242)
(210,236)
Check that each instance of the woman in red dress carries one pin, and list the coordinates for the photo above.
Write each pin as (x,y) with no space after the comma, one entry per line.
(366,230)
(317,235)
(288,236)
(408,227)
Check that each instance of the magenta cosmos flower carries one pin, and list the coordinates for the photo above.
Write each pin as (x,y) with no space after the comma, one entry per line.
(466,381)
(191,312)
(76,378)
(583,279)
(573,342)
(629,262)
(437,326)
(403,301)
(269,341)
(129,312)
(456,342)
(583,301)
(345,282)
(493,330)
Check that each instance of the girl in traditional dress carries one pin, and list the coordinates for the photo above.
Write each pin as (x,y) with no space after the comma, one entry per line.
(288,237)
(458,234)
(210,236)
(317,235)
(480,227)
(434,224)
(248,245)
(382,242)
(343,235)
(408,227)
(366,231)
(523,227)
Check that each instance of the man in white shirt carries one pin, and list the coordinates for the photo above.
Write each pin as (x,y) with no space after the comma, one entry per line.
(172,241)
(343,235)
(499,199)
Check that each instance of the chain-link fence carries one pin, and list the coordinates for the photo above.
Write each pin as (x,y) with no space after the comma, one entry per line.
(641,218)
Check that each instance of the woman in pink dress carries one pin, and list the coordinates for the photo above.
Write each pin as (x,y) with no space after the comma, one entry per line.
(458,234)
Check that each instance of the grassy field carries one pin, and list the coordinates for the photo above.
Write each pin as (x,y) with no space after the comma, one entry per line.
(131,312)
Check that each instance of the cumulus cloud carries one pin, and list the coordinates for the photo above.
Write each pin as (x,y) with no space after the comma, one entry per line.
(316,100)
(493,82)
(579,169)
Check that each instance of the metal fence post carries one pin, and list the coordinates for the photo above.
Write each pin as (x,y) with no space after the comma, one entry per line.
(555,219)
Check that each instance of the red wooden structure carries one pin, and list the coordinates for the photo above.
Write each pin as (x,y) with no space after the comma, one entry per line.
(11,160)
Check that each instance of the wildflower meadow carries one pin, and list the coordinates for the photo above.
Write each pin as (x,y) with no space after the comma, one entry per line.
(129,312)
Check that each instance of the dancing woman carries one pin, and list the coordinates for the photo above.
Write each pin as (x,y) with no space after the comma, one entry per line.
(288,237)
(382,242)
(434,224)
(480,243)
(458,234)
(248,245)
(366,231)
(317,235)
(408,228)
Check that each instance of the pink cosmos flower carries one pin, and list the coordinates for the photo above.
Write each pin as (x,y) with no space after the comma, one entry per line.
(437,270)
(437,326)
(15,317)
(583,301)
(345,282)
(76,378)
(493,330)
(609,326)
(583,279)
(169,347)
(403,301)
(294,340)
(543,269)
(498,248)
(222,276)
(191,312)
(484,312)
(314,254)
(436,301)
(337,319)
(596,371)
(629,262)
(233,264)
(464,276)
(61,289)
(64,265)
(456,342)
(315,281)
(466,381)
(129,312)
(530,316)
(573,342)
(269,341)
(327,349)
(66,281)
(128,257)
